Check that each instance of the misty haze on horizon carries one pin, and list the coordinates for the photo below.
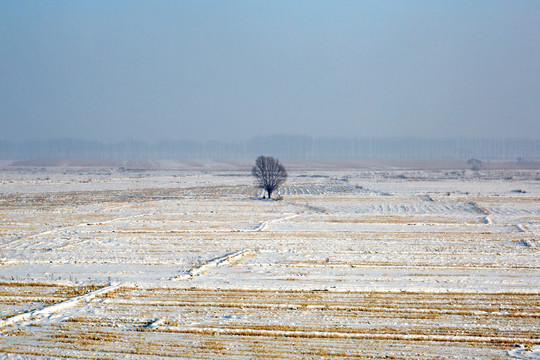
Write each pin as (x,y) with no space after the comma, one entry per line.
(236,70)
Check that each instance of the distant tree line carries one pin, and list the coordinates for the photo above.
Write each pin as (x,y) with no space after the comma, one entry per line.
(284,147)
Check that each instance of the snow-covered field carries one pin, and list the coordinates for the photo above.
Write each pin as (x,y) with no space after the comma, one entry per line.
(104,263)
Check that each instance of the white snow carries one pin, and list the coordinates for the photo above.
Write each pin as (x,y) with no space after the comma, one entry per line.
(422,262)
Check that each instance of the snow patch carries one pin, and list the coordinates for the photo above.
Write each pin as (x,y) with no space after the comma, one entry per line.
(522,352)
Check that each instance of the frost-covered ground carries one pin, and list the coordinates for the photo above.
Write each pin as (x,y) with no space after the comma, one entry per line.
(190,263)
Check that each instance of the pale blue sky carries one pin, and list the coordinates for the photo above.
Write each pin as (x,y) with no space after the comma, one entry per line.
(236,69)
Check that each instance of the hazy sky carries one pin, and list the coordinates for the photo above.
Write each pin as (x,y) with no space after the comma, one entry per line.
(235,69)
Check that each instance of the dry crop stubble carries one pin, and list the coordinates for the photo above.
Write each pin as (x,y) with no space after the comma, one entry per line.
(267,301)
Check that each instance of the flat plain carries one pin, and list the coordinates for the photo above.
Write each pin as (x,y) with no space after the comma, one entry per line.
(108,263)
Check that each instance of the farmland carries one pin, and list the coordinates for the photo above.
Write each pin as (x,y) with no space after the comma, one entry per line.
(106,263)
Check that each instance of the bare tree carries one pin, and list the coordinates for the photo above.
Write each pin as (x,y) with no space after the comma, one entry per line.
(269,174)
(475,164)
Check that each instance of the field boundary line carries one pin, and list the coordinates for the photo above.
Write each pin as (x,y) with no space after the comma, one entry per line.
(53,231)
(265,223)
(309,207)
(345,335)
(228,258)
(389,291)
(478,208)
(59,306)
(364,309)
